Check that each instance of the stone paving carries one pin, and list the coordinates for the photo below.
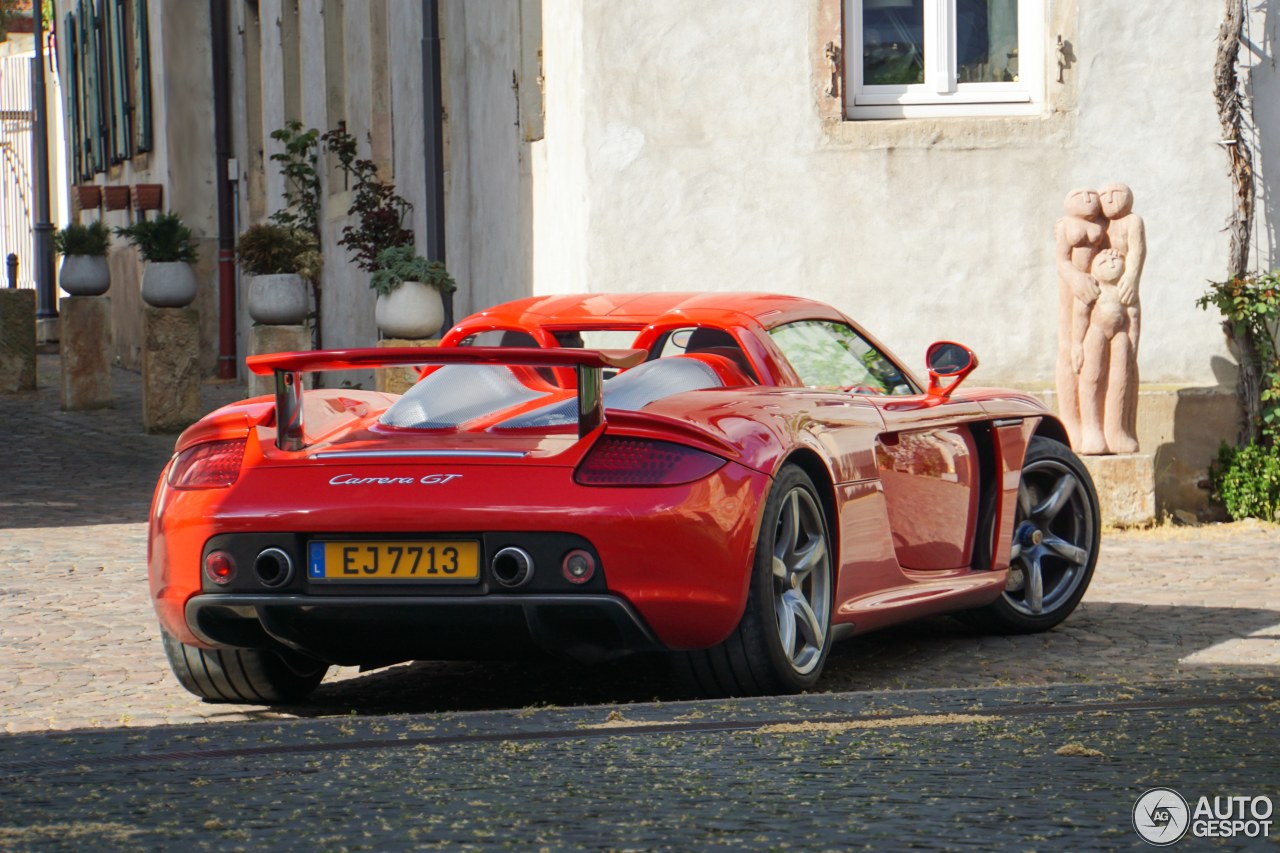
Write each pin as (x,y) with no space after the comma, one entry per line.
(79,648)
(1057,768)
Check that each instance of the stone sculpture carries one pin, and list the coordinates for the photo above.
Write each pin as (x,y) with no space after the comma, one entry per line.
(1100,252)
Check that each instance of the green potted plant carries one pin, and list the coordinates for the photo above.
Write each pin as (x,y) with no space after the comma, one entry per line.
(409,293)
(278,261)
(83,248)
(165,244)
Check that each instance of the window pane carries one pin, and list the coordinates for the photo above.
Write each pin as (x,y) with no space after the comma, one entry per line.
(832,355)
(986,41)
(892,42)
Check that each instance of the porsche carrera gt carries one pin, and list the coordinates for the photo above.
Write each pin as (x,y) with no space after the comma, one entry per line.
(738,480)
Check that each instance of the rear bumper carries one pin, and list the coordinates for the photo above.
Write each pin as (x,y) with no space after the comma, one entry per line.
(678,557)
(356,629)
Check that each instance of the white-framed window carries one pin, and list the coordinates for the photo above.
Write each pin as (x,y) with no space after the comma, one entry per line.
(922,58)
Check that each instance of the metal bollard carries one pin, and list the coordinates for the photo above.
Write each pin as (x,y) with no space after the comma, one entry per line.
(11,264)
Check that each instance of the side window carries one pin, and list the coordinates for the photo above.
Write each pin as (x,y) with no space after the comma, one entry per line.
(499,338)
(827,354)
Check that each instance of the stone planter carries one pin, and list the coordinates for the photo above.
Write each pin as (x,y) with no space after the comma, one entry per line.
(168,284)
(277,300)
(412,310)
(84,275)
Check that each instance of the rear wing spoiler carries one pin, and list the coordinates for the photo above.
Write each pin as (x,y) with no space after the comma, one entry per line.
(288,367)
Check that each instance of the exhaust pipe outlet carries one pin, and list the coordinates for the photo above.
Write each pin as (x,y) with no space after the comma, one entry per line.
(273,567)
(512,567)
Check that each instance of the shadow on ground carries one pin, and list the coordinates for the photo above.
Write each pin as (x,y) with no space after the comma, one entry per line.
(67,469)
(941,652)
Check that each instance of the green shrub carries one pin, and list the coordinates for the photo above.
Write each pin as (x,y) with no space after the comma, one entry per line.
(163,239)
(399,264)
(377,208)
(268,249)
(1247,481)
(76,239)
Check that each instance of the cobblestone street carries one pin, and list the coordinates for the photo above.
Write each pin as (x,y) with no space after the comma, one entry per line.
(80,649)
(927,734)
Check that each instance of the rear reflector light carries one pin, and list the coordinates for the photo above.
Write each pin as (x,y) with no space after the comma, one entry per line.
(578,566)
(220,567)
(215,465)
(641,462)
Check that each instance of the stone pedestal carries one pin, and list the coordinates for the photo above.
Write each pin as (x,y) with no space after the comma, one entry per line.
(84,344)
(1126,488)
(397,380)
(170,369)
(266,339)
(17,340)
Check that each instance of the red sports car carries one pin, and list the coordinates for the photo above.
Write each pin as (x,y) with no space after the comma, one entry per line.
(738,479)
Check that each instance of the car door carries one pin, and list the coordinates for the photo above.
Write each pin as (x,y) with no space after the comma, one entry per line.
(926,457)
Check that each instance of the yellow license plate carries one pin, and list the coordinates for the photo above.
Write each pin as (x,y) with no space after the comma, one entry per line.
(429,561)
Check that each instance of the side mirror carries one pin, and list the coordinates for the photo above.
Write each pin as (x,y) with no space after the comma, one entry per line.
(948,361)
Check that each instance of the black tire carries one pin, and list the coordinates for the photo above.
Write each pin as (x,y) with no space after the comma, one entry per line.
(1058,538)
(248,676)
(756,659)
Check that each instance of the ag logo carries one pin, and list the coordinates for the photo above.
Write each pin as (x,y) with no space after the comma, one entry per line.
(1161,817)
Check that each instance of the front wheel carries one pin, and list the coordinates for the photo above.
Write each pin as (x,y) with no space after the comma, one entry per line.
(251,676)
(783,638)
(1055,543)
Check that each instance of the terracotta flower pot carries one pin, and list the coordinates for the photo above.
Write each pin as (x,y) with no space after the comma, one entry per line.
(84,275)
(168,284)
(413,310)
(147,196)
(277,300)
(88,196)
(117,198)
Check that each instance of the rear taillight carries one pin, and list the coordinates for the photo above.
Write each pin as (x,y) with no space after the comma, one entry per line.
(642,462)
(220,567)
(214,465)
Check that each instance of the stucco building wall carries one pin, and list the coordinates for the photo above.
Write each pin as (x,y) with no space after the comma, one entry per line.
(488,215)
(181,160)
(691,146)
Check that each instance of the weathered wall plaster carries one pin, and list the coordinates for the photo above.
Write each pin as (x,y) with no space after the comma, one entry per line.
(690,146)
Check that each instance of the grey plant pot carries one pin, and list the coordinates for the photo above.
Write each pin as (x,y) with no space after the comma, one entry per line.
(413,310)
(168,284)
(84,275)
(277,300)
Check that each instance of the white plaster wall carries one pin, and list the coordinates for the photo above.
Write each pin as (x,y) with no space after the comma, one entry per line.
(273,110)
(685,150)
(404,26)
(1258,66)
(562,205)
(488,190)
(488,222)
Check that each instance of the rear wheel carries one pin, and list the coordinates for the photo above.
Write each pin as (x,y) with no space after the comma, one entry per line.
(785,633)
(1055,543)
(241,675)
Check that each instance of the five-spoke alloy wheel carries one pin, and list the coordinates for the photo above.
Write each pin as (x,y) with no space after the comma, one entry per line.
(801,580)
(1055,542)
(782,641)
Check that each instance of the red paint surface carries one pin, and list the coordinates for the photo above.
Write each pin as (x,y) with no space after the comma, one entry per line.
(901,474)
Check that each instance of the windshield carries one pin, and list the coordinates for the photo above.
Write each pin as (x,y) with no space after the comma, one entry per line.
(826,354)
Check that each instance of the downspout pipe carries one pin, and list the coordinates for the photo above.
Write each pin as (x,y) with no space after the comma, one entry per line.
(221,43)
(433,150)
(42,229)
